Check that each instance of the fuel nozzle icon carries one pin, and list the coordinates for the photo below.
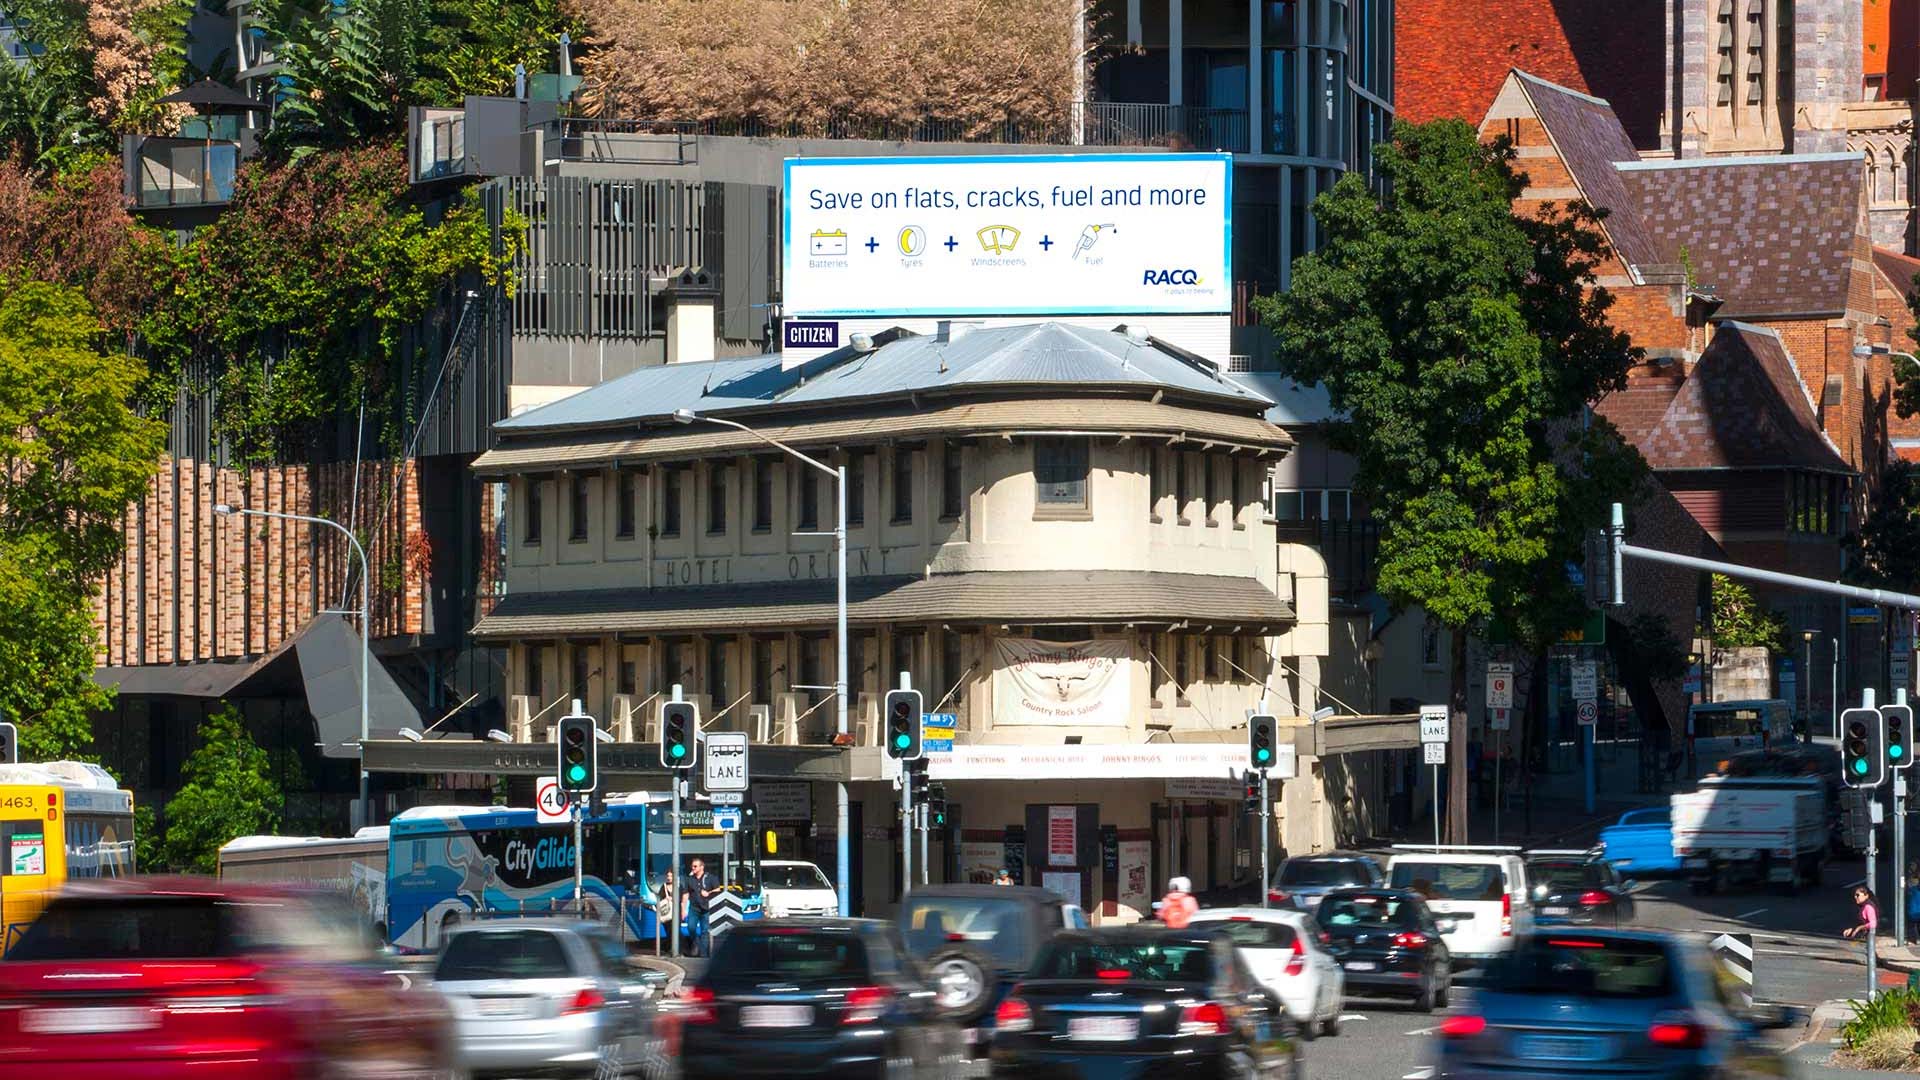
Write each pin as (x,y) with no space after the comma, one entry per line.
(1090,236)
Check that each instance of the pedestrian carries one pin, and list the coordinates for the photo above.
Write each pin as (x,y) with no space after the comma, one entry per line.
(1005,877)
(1178,906)
(701,888)
(1869,920)
(663,911)
(1913,899)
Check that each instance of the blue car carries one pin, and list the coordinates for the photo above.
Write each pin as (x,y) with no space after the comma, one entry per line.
(1640,844)
(1605,1002)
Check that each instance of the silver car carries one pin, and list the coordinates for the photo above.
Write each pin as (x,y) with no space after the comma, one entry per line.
(541,996)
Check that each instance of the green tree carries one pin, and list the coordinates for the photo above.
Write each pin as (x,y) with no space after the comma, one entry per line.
(1886,551)
(1463,343)
(1741,622)
(347,69)
(226,790)
(75,456)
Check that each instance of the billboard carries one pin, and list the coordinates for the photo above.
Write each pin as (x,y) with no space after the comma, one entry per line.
(1052,234)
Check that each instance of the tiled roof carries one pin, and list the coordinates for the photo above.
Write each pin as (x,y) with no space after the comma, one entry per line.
(1064,597)
(1450,56)
(1590,140)
(1028,355)
(1900,269)
(1771,235)
(1742,407)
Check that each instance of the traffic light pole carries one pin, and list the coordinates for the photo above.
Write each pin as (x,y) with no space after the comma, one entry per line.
(1873,851)
(579,869)
(1900,842)
(1266,810)
(673,914)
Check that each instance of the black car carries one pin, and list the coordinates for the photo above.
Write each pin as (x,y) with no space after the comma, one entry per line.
(976,941)
(812,997)
(1389,944)
(1578,889)
(1142,1001)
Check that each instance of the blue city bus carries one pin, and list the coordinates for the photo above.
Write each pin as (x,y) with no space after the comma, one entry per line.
(448,865)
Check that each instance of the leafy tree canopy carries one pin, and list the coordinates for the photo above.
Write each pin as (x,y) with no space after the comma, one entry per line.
(1887,548)
(226,790)
(1740,621)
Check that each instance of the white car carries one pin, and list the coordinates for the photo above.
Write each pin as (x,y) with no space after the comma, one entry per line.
(1285,951)
(1484,893)
(792,889)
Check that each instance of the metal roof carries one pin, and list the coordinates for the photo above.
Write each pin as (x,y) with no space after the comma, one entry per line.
(1295,404)
(1031,355)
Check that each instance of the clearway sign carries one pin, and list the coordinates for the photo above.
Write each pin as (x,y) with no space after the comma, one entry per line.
(725,761)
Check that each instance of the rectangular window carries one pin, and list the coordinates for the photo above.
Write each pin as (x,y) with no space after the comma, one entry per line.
(1156,481)
(1339,505)
(953,493)
(670,499)
(856,488)
(535,677)
(716,499)
(624,514)
(902,485)
(952,665)
(582,671)
(1237,474)
(809,499)
(762,495)
(629,677)
(1060,472)
(856,664)
(717,673)
(813,670)
(1286,506)
(1182,666)
(762,671)
(1182,486)
(530,528)
(576,508)
(1210,488)
(1211,662)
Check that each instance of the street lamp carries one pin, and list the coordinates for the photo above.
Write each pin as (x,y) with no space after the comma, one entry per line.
(366,626)
(1807,636)
(843,855)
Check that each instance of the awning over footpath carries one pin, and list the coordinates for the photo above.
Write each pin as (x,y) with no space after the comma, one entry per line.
(320,664)
(1025,597)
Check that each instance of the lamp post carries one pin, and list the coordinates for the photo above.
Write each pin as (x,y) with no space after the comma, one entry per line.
(842,852)
(1807,636)
(366,625)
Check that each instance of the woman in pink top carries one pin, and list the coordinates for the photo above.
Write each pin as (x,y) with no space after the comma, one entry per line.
(1869,919)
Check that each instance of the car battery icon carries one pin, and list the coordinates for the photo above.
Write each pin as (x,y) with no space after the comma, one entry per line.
(823,242)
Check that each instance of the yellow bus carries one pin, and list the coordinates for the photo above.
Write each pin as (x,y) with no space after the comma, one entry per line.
(58,820)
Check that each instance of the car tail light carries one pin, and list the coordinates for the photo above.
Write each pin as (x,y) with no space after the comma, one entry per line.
(1462,1027)
(1114,973)
(1298,962)
(586,1000)
(1013,1015)
(1677,1031)
(698,1008)
(1412,939)
(1275,896)
(1506,914)
(1595,898)
(865,1004)
(1206,1018)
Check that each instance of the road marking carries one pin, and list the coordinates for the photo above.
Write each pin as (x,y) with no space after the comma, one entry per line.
(1750,914)
(1344,1017)
(1420,1074)
(1425,1030)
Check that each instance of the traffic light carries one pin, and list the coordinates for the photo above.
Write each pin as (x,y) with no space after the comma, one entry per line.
(937,806)
(679,734)
(904,721)
(9,744)
(579,750)
(1260,741)
(1862,748)
(1899,727)
(917,779)
(1252,781)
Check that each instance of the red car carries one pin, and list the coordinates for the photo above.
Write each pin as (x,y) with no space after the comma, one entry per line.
(170,977)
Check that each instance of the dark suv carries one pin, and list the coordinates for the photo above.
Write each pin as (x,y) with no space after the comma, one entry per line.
(1303,879)
(977,941)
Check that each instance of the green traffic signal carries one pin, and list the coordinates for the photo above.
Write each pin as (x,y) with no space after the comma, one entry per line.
(1896,750)
(1860,766)
(677,750)
(576,773)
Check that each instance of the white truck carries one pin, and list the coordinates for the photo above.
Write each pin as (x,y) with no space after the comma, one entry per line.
(1762,830)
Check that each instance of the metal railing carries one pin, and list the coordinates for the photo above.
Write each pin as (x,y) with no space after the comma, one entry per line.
(184,172)
(1178,127)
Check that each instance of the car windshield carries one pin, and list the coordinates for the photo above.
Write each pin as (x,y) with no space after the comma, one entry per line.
(1250,933)
(790,953)
(1566,875)
(998,926)
(1451,881)
(1584,967)
(798,876)
(1369,910)
(1143,961)
(1329,872)
(503,954)
(131,928)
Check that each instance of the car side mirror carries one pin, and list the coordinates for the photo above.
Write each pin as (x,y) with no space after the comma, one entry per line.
(1446,926)
(1629,884)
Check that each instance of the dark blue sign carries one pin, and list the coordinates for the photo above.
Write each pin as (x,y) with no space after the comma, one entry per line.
(809,334)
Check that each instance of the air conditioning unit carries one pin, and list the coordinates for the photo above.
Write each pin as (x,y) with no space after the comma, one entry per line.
(520,710)
(624,722)
(760,722)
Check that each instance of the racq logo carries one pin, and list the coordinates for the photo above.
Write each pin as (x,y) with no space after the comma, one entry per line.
(1169,277)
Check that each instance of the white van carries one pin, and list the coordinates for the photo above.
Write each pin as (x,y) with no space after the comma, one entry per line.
(1481,891)
(791,888)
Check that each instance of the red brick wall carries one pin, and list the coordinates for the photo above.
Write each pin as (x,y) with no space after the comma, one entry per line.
(245,585)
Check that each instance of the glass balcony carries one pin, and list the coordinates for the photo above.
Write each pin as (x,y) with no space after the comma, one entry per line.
(439,143)
(168,172)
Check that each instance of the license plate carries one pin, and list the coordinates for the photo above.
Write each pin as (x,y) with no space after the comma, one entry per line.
(498,1008)
(776,1016)
(1560,1047)
(95,1021)
(1103,1029)
(1362,965)
(1555,911)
